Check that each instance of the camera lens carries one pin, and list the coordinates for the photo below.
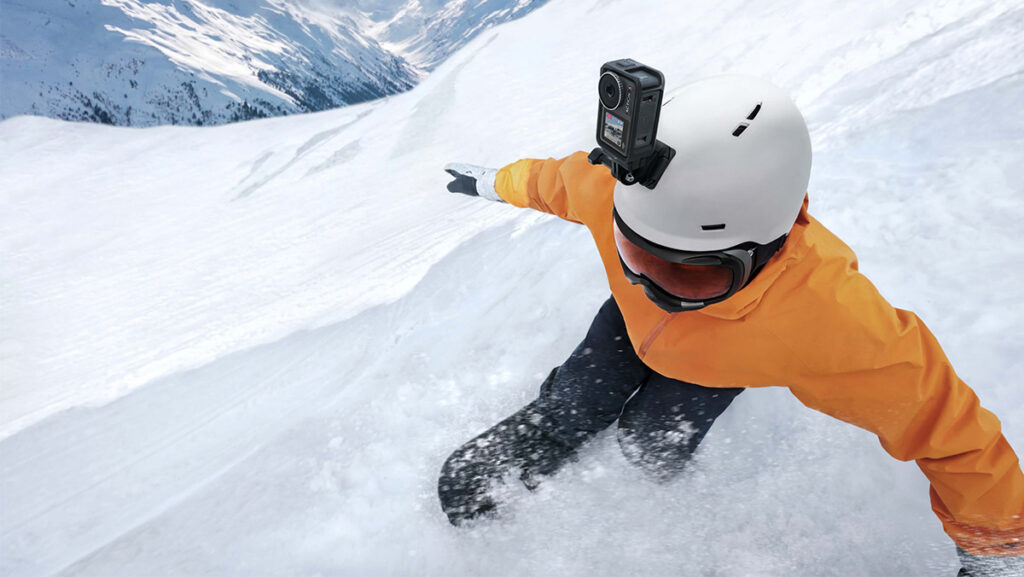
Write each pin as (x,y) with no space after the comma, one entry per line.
(610,88)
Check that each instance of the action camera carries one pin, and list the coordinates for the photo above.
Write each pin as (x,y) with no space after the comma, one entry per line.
(627,123)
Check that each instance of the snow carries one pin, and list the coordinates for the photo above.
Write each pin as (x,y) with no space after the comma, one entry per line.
(247,350)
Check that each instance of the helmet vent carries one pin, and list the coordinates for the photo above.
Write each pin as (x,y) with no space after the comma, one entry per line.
(743,125)
(712,226)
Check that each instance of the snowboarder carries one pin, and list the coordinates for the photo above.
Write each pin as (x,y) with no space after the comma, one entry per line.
(721,280)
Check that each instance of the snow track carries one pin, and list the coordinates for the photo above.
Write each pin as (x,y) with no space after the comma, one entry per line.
(170,439)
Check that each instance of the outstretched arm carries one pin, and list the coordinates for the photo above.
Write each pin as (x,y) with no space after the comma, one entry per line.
(880,368)
(553,185)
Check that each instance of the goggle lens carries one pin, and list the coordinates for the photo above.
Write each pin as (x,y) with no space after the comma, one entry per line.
(686,281)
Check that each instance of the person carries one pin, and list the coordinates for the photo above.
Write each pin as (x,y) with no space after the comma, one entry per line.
(721,280)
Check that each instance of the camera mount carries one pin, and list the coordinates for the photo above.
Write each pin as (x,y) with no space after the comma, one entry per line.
(647,175)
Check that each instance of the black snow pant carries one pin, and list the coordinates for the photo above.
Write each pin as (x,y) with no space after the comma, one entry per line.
(661,421)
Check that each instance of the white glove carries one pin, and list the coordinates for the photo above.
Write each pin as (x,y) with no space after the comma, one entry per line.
(473,180)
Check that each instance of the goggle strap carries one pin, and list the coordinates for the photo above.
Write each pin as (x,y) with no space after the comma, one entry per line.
(764,253)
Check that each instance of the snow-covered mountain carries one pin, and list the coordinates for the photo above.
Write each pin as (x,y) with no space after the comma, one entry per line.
(248,349)
(426,32)
(141,63)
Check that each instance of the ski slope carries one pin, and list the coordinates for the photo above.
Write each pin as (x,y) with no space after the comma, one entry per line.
(247,349)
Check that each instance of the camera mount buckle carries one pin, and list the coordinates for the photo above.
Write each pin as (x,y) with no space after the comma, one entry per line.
(647,175)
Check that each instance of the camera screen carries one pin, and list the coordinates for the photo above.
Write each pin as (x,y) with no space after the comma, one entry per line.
(614,129)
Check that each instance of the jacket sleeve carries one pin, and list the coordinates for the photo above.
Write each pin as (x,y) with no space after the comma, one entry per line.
(548,185)
(880,368)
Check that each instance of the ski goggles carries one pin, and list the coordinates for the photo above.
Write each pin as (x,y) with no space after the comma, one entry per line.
(678,280)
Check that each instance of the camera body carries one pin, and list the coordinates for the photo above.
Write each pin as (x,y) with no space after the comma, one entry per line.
(627,123)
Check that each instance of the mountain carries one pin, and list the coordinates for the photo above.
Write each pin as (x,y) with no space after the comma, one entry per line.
(247,349)
(426,32)
(139,63)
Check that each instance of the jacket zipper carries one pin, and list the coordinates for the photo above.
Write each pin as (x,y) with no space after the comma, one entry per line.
(653,335)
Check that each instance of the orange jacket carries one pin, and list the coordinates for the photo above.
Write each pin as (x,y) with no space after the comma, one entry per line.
(809,321)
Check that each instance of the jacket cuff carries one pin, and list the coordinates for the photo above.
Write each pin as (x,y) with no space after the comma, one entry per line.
(485,185)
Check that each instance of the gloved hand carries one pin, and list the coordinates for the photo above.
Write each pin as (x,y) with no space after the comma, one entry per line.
(473,180)
(989,565)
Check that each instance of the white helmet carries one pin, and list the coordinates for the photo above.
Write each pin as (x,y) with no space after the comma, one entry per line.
(740,173)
